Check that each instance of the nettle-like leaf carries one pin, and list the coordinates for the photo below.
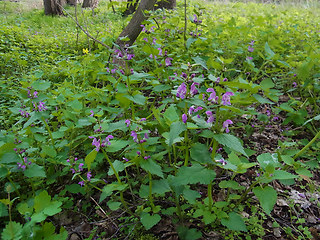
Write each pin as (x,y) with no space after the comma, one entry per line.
(151,166)
(231,142)
(194,174)
(267,197)
(148,221)
(234,222)
(266,159)
(118,166)
(175,130)
(12,231)
(200,153)
(34,170)
(188,233)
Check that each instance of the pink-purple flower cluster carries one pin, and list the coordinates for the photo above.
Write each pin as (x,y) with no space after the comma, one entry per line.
(104,143)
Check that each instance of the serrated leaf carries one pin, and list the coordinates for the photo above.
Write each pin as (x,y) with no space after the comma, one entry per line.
(148,221)
(53,208)
(119,167)
(188,233)
(90,158)
(114,205)
(171,115)
(200,153)
(34,170)
(76,105)
(266,159)
(41,85)
(107,190)
(231,184)
(49,151)
(3,210)
(175,130)
(194,174)
(151,166)
(267,197)
(42,201)
(116,146)
(160,186)
(282,175)
(231,142)
(12,231)
(234,222)
(190,195)
(190,41)
(138,99)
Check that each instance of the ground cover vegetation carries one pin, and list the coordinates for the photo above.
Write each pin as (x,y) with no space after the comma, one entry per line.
(208,133)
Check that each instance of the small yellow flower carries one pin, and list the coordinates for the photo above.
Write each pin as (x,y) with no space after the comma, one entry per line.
(85,50)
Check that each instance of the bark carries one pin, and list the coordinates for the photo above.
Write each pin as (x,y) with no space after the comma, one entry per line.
(90,3)
(53,7)
(167,4)
(133,29)
(72,2)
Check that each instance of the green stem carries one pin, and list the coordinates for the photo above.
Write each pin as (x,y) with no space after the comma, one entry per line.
(210,195)
(49,131)
(307,146)
(186,159)
(150,191)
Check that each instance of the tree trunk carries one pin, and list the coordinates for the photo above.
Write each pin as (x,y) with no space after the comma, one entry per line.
(133,29)
(167,4)
(72,2)
(53,7)
(90,3)
(132,5)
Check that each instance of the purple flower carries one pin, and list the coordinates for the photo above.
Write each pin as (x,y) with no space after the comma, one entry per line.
(191,110)
(213,96)
(81,183)
(107,141)
(250,49)
(89,175)
(198,109)
(35,94)
(127,122)
(195,18)
(217,80)
(252,43)
(184,75)
(222,161)
(73,171)
(226,124)
(42,107)
(168,62)
(160,51)
(294,84)
(134,136)
(226,98)
(193,89)
(249,58)
(130,56)
(210,116)
(96,143)
(154,40)
(182,91)
(92,113)
(113,71)
(80,166)
(147,157)
(184,118)
(139,153)
(126,159)
(145,39)
(275,118)
(225,79)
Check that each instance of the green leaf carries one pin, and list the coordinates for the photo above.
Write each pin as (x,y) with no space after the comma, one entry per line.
(268,50)
(171,115)
(231,142)
(175,129)
(160,186)
(76,105)
(267,197)
(138,99)
(148,221)
(200,153)
(53,208)
(200,61)
(12,231)
(151,166)
(230,184)
(3,210)
(49,151)
(119,167)
(194,174)
(266,159)
(41,85)
(190,41)
(282,175)
(34,170)
(261,99)
(191,195)
(234,222)
(188,233)
(90,158)
(113,205)
(116,146)
(42,201)
(107,190)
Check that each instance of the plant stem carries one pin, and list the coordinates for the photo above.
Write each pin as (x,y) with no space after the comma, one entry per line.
(307,146)
(150,191)
(210,195)
(186,159)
